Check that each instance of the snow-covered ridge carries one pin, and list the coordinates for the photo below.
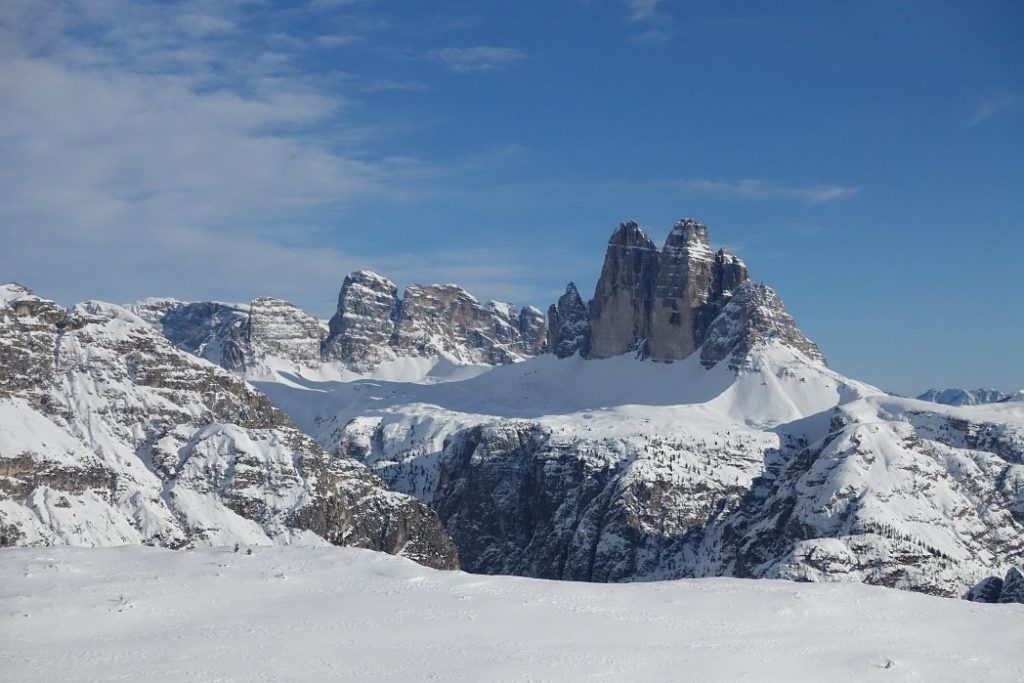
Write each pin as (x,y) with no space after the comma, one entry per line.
(111,435)
(963,397)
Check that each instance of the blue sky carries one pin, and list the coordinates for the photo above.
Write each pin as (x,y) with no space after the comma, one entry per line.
(866,159)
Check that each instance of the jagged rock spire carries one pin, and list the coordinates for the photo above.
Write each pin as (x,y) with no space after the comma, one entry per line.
(568,324)
(621,308)
(660,303)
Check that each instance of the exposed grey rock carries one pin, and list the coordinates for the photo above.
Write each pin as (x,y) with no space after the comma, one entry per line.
(963,397)
(1013,587)
(532,330)
(620,312)
(372,325)
(212,330)
(279,329)
(752,316)
(361,331)
(122,438)
(520,499)
(569,325)
(237,336)
(31,326)
(682,289)
(660,304)
(446,319)
(986,590)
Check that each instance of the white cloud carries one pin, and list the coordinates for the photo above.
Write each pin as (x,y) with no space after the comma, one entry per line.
(753,189)
(478,58)
(642,10)
(389,85)
(140,159)
(135,159)
(202,25)
(992,106)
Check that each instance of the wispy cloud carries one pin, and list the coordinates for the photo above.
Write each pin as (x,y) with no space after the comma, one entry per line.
(992,106)
(642,10)
(754,189)
(650,21)
(477,58)
(388,85)
(139,154)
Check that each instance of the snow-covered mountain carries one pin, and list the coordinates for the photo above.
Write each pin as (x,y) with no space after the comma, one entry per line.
(111,435)
(372,333)
(678,424)
(963,397)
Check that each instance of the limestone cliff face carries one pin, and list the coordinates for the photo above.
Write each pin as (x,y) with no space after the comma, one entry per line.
(660,304)
(279,329)
(620,312)
(446,319)
(360,332)
(568,324)
(533,330)
(237,337)
(373,325)
(681,291)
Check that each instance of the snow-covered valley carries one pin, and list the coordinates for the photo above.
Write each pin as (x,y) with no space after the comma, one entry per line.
(294,614)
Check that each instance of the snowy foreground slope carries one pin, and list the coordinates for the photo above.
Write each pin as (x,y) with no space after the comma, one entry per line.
(69,614)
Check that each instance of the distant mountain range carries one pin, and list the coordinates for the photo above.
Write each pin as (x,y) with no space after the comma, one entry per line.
(677,424)
(965,397)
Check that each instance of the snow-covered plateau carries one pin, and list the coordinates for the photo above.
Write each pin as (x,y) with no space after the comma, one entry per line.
(300,614)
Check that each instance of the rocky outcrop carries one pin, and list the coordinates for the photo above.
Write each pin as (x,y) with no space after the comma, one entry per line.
(361,330)
(533,330)
(373,325)
(963,397)
(1013,587)
(620,312)
(569,325)
(993,589)
(682,289)
(236,336)
(31,326)
(986,590)
(122,438)
(523,498)
(660,304)
(447,320)
(278,329)
(752,316)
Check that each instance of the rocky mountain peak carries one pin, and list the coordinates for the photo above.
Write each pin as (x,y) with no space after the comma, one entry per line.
(360,331)
(629,234)
(279,329)
(660,304)
(754,315)
(533,329)
(665,305)
(373,325)
(689,233)
(568,324)
(621,308)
